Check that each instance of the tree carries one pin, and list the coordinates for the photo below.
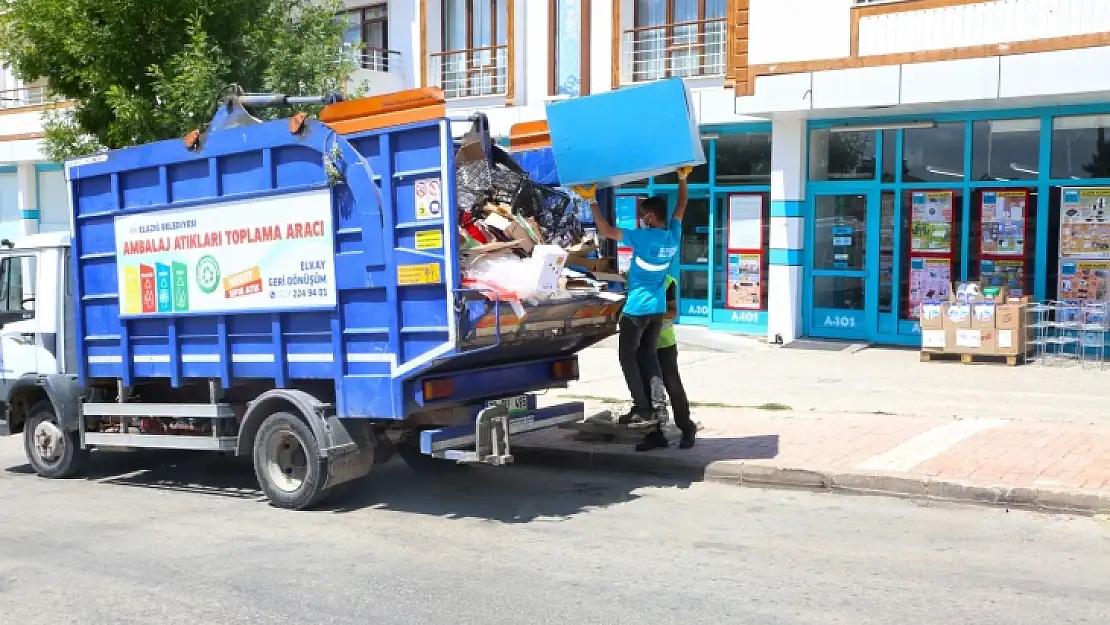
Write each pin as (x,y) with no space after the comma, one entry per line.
(143,71)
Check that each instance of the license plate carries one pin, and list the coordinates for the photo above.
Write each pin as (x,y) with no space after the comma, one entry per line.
(515,405)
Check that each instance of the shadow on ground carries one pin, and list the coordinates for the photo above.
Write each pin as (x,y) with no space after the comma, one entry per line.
(598,453)
(513,494)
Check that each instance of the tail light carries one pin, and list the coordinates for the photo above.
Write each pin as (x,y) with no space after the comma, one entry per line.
(438,389)
(565,369)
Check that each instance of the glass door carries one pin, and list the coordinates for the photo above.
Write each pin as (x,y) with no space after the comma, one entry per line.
(692,268)
(842,297)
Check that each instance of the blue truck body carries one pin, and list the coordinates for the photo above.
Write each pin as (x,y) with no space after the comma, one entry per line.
(398,318)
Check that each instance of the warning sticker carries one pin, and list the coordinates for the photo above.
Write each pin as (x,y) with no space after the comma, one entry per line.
(429,240)
(428,204)
(418,274)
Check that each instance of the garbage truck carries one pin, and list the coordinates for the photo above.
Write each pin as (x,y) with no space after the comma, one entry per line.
(286,290)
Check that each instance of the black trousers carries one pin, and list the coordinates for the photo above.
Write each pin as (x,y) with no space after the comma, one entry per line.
(639,336)
(680,405)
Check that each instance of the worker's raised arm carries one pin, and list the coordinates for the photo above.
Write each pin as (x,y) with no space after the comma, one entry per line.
(604,228)
(680,205)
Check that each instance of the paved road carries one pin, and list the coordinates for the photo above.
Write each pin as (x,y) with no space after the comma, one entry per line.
(523,546)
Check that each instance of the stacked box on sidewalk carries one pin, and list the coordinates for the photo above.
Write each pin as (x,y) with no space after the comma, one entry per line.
(989,325)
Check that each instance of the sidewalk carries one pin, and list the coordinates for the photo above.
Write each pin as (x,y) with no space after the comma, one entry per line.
(889,381)
(875,421)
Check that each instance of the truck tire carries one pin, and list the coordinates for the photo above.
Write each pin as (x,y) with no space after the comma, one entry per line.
(52,451)
(288,464)
(409,450)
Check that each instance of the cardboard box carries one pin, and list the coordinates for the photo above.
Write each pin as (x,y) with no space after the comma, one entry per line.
(632,133)
(983,315)
(1012,315)
(933,340)
(970,341)
(548,262)
(932,315)
(1013,327)
(957,315)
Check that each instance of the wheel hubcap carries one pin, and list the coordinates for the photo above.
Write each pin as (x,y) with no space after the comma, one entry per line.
(286,460)
(49,442)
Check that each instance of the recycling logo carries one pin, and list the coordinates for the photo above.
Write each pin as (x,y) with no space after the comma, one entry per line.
(208,274)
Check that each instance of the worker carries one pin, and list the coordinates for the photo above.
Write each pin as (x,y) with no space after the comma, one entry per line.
(654,245)
(668,363)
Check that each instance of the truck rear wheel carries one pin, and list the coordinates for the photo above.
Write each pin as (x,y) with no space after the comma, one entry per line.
(52,451)
(288,464)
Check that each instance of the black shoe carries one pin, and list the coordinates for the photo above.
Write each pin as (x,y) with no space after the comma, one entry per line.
(688,437)
(653,440)
(631,417)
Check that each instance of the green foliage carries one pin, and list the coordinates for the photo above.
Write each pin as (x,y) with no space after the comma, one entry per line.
(145,70)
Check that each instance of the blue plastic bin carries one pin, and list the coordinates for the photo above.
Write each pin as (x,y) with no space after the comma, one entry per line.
(620,136)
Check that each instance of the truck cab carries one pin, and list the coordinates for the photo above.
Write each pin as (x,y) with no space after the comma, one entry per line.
(36,320)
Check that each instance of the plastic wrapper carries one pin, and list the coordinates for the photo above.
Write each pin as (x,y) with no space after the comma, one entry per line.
(512,279)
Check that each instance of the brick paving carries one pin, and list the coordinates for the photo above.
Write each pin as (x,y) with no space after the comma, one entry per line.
(1030,454)
(871,413)
(1042,455)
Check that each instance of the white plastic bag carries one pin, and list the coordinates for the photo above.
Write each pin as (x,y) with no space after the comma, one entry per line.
(506,273)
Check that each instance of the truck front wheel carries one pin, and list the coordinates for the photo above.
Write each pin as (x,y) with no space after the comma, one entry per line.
(52,451)
(288,464)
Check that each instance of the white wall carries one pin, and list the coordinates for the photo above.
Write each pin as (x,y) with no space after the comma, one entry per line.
(404,37)
(9,207)
(601,46)
(979,24)
(780,31)
(1023,79)
(14,122)
(53,201)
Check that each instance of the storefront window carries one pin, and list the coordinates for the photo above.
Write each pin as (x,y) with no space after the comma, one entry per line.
(1080,148)
(744,159)
(840,235)
(841,155)
(890,155)
(886,252)
(695,285)
(931,225)
(740,257)
(700,175)
(1003,226)
(695,233)
(1005,149)
(933,154)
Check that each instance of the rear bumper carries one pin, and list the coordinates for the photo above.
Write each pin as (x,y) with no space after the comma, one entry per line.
(432,441)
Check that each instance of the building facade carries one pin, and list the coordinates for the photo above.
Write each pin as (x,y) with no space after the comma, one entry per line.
(862,154)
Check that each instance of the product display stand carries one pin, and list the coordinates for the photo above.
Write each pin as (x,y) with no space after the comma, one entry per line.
(1058,325)
(1092,335)
(1040,313)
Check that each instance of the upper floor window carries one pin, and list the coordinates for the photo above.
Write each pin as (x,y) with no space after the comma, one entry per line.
(1081,147)
(474,60)
(569,68)
(367,36)
(836,154)
(675,38)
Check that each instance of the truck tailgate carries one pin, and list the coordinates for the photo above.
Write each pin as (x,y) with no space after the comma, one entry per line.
(491,333)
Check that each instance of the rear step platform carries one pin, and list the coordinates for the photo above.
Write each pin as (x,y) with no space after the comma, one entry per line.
(603,428)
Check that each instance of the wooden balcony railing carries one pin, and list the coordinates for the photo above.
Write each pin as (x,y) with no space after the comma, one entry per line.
(471,72)
(686,49)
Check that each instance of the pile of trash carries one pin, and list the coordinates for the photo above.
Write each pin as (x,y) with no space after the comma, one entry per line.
(520,240)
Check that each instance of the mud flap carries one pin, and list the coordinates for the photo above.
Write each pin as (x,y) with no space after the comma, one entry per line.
(350,466)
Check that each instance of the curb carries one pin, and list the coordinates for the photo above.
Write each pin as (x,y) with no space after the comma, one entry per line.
(741,473)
